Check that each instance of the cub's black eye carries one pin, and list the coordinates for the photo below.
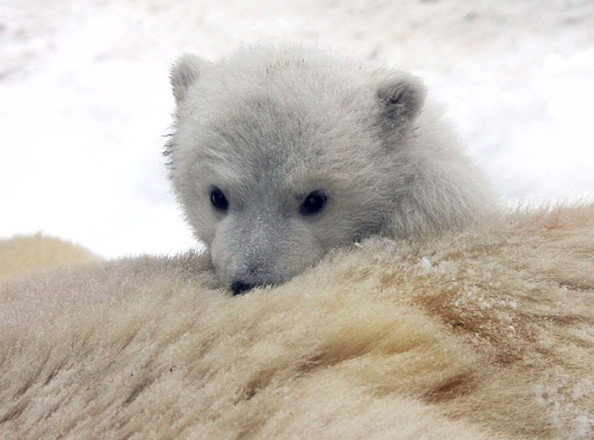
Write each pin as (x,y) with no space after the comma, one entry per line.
(218,199)
(313,203)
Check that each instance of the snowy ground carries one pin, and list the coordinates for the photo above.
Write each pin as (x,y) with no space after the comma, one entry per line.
(85,99)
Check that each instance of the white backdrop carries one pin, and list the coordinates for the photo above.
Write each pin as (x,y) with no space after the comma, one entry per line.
(85,99)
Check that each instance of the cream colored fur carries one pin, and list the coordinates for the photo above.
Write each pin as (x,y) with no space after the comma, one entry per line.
(23,254)
(480,334)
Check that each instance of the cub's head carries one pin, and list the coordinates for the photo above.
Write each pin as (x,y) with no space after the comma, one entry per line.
(277,156)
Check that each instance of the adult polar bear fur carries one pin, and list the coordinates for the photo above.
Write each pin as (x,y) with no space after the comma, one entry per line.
(484,333)
(279,154)
(23,254)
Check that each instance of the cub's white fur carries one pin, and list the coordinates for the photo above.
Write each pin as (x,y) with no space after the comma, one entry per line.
(270,126)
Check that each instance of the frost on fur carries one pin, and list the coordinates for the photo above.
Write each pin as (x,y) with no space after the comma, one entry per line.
(308,151)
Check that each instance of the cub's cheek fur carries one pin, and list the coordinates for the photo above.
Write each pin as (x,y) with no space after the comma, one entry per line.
(268,123)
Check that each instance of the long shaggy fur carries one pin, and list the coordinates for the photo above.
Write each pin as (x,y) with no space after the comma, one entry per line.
(479,334)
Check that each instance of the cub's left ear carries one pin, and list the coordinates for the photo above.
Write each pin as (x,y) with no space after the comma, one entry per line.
(401,98)
(184,73)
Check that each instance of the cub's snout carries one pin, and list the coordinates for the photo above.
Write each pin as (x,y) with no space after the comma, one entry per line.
(238,287)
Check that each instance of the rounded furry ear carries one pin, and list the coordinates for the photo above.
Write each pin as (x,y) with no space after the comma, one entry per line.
(401,97)
(184,72)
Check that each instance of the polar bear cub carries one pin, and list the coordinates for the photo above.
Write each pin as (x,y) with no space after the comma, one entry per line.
(279,154)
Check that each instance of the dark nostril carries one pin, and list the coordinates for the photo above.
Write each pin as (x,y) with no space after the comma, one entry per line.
(239,287)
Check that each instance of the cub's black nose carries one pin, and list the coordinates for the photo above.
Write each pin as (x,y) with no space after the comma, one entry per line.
(239,287)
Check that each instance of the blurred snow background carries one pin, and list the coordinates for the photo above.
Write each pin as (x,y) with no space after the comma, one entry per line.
(85,98)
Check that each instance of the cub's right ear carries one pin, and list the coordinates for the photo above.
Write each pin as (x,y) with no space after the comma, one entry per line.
(184,72)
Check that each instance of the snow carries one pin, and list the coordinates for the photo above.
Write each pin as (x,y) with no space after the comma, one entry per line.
(425,264)
(85,99)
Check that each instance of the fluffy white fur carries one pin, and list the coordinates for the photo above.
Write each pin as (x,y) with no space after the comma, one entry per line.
(269,126)
(480,334)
